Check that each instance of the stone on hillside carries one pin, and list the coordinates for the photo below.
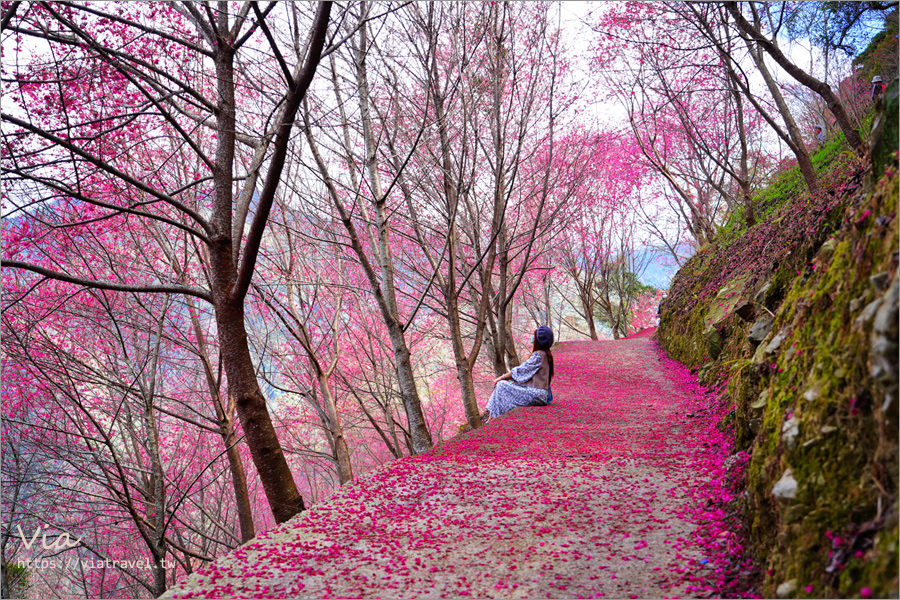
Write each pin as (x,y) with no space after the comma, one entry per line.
(729,296)
(786,589)
(789,432)
(813,393)
(857,303)
(826,250)
(761,294)
(761,401)
(760,329)
(760,355)
(714,338)
(879,281)
(867,314)
(786,487)
(883,349)
(773,346)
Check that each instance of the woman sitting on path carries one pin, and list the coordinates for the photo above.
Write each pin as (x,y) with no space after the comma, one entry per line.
(529,383)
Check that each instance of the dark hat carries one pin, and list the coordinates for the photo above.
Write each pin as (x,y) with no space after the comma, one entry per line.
(544,336)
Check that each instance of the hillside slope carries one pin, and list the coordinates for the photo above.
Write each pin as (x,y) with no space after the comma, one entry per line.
(798,316)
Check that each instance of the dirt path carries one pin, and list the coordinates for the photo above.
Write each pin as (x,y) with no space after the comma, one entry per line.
(610,491)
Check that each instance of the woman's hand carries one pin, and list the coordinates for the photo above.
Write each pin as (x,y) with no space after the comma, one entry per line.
(502,378)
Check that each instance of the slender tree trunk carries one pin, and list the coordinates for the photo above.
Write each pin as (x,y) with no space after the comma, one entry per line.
(418,429)
(744,179)
(504,345)
(448,284)
(236,466)
(796,137)
(463,367)
(547,318)
(271,464)
(330,419)
(420,436)
(493,340)
(498,50)
(157,482)
(341,451)
(394,447)
(157,473)
(512,355)
(587,304)
(383,290)
(389,418)
(225,419)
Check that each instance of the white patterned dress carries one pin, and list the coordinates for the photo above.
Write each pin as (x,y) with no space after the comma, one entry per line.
(509,394)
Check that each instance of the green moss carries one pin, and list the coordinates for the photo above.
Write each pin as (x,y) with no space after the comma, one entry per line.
(837,474)
(885,146)
(789,183)
(876,569)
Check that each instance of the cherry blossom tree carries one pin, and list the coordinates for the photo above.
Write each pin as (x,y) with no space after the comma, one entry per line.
(526,64)
(370,239)
(110,429)
(773,15)
(669,91)
(99,121)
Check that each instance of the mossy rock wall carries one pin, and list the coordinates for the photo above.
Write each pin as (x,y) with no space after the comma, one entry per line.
(817,411)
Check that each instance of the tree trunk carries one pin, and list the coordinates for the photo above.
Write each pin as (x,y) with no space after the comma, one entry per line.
(271,464)
(548,320)
(342,453)
(157,485)
(418,429)
(463,370)
(448,284)
(505,359)
(493,339)
(157,482)
(512,355)
(587,304)
(238,475)
(796,137)
(744,179)
(225,419)
(504,345)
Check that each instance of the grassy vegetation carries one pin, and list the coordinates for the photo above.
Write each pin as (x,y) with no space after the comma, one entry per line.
(783,187)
